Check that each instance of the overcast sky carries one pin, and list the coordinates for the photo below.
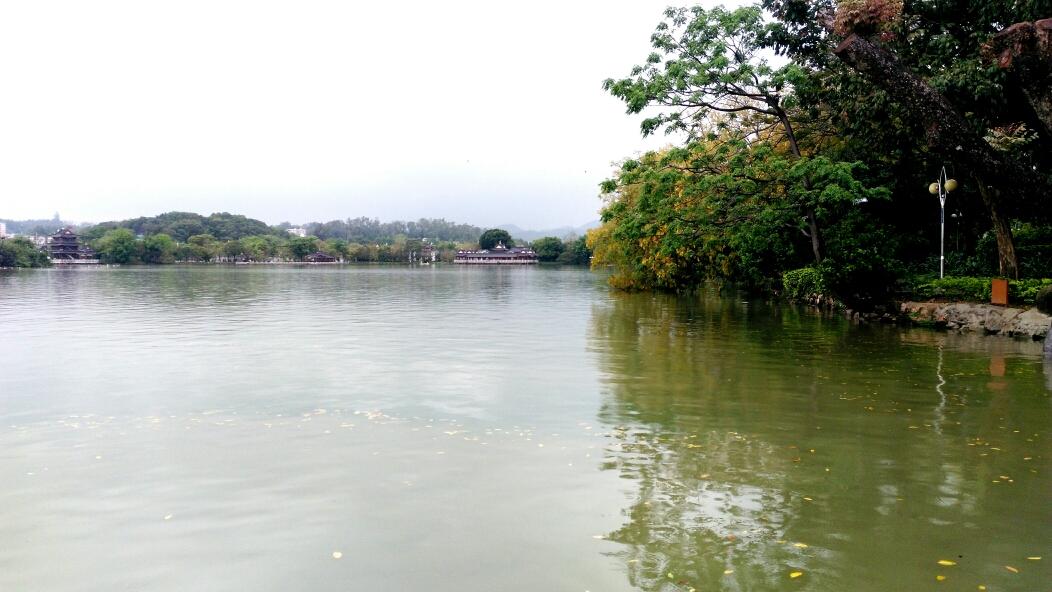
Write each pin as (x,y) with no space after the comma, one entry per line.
(481,112)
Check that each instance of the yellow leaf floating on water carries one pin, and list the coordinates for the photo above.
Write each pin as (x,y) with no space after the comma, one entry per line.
(940,578)
(728,572)
(1035,558)
(796,574)
(946,562)
(336,554)
(1011,569)
(800,545)
(982,587)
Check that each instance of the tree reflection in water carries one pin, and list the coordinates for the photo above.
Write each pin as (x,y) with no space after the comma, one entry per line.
(764,441)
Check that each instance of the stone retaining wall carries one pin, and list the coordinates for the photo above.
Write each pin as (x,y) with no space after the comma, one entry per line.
(986,318)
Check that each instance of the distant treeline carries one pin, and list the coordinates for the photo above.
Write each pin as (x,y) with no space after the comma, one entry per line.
(225,226)
(188,237)
(366,230)
(121,246)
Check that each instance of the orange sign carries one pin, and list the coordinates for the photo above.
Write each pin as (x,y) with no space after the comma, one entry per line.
(999,292)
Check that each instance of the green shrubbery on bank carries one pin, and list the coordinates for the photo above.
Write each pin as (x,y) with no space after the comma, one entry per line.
(19,252)
(977,289)
(808,282)
(803,283)
(1043,300)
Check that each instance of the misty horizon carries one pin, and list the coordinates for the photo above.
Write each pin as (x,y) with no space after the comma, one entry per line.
(58,218)
(470,111)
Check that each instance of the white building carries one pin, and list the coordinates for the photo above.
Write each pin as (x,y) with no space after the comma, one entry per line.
(3,230)
(298,231)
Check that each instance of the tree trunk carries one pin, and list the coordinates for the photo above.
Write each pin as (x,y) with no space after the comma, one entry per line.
(1024,50)
(948,133)
(813,231)
(1006,257)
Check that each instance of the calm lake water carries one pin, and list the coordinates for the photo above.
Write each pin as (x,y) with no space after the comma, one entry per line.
(462,429)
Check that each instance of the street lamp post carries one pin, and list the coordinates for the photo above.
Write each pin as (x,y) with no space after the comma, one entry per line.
(942,188)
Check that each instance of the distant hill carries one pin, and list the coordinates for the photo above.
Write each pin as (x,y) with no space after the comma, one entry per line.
(560,232)
(183,225)
(39,227)
(225,226)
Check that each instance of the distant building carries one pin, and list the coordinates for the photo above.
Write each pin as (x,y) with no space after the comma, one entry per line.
(498,255)
(64,244)
(299,231)
(428,253)
(319,257)
(3,230)
(64,247)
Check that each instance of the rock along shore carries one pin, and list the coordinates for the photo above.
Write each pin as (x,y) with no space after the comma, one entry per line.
(981,318)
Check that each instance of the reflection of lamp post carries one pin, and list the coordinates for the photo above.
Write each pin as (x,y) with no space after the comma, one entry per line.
(957,229)
(942,188)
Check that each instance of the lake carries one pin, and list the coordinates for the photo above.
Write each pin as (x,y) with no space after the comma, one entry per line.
(451,428)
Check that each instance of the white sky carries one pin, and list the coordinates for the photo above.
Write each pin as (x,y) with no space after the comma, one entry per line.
(479,112)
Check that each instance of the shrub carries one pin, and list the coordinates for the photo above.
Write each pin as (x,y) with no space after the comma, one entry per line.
(19,252)
(1033,245)
(799,284)
(1043,299)
(977,289)
(955,288)
(859,267)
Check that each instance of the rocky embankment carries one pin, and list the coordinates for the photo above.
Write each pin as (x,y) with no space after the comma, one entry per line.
(1027,323)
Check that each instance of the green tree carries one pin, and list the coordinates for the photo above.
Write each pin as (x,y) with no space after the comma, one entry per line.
(181,230)
(202,247)
(118,246)
(576,252)
(338,247)
(918,85)
(158,248)
(299,247)
(357,252)
(720,209)
(548,248)
(258,248)
(233,249)
(491,237)
(709,62)
(20,252)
